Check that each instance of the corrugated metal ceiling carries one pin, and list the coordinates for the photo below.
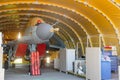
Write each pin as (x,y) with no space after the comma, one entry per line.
(78,19)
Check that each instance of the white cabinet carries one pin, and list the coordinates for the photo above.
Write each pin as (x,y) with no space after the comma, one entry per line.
(93,63)
(67,57)
(77,64)
(56,63)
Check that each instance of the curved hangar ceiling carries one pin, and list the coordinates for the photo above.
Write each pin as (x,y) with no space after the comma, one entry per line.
(82,22)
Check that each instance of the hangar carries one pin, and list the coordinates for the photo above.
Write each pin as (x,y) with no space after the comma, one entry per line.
(81,23)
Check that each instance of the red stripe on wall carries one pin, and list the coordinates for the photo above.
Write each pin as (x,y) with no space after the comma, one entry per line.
(41,48)
(21,50)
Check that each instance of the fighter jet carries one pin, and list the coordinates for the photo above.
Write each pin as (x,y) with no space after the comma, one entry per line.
(32,44)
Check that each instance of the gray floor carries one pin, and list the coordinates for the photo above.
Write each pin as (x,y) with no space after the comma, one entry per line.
(115,76)
(47,74)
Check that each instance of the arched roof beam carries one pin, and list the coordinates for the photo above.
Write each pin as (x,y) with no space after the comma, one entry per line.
(62,7)
(70,38)
(46,17)
(37,9)
(34,2)
(19,20)
(114,2)
(104,15)
(70,27)
(61,28)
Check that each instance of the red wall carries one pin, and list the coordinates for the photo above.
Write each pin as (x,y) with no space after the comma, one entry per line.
(21,50)
(41,48)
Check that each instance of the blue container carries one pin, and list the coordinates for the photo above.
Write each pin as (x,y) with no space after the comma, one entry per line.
(105,70)
(114,63)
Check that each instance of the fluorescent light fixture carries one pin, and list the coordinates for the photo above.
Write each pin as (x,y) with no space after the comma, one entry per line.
(19,35)
(48,59)
(47,51)
(18,60)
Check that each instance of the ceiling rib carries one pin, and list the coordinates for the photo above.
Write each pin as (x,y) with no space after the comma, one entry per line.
(70,27)
(106,17)
(116,31)
(66,9)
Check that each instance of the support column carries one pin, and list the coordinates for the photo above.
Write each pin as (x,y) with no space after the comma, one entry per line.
(1,59)
(119,72)
(100,36)
(88,41)
(76,56)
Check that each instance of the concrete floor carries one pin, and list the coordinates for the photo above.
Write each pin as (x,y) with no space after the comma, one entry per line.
(115,76)
(47,74)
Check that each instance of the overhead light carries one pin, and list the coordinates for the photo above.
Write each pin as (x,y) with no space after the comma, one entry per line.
(47,51)
(36,2)
(86,3)
(48,59)
(19,35)
(18,60)
(31,8)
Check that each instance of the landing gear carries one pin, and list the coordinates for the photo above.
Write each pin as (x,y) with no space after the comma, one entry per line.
(34,60)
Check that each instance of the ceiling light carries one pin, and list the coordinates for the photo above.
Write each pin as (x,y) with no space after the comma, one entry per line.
(19,35)
(48,59)
(36,2)
(47,51)
(18,60)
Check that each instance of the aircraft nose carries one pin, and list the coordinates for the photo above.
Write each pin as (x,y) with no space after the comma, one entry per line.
(43,31)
